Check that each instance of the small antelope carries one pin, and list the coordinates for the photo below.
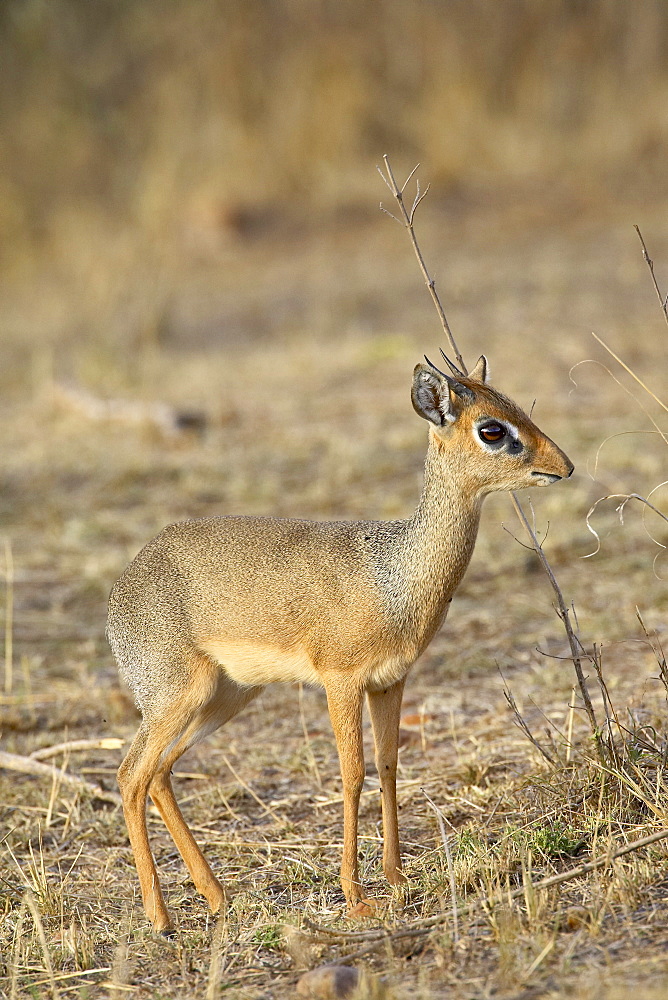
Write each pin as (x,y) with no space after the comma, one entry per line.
(212,610)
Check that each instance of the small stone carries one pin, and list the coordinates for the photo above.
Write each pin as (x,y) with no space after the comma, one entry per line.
(328,982)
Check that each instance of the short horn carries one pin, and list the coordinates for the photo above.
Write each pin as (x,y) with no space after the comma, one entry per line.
(462,391)
(453,367)
(432,365)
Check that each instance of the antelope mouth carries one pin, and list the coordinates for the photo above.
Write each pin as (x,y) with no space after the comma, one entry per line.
(547,478)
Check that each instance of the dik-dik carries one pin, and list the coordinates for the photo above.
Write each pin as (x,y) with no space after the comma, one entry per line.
(212,610)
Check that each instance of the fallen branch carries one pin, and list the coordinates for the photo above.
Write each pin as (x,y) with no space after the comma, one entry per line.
(72,746)
(28,765)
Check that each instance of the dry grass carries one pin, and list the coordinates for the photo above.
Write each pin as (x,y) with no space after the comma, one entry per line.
(310,416)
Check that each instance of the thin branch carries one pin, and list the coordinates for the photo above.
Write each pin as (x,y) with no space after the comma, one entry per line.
(663,302)
(383,209)
(564,613)
(408,223)
(105,743)
(28,765)
(409,178)
(522,724)
(418,198)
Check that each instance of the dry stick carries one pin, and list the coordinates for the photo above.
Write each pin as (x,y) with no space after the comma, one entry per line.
(650,264)
(14,762)
(562,609)
(104,743)
(408,223)
(521,724)
(569,730)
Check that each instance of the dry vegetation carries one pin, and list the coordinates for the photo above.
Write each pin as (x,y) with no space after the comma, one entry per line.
(285,349)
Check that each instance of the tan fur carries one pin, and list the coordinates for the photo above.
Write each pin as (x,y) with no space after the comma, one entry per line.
(210,611)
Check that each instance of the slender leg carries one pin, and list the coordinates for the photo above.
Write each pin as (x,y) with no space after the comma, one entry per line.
(162,793)
(225,702)
(134,777)
(344,699)
(385,710)
(210,701)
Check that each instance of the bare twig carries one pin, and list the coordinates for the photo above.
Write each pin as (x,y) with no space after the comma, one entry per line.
(71,746)
(650,263)
(28,765)
(521,723)
(408,223)
(564,613)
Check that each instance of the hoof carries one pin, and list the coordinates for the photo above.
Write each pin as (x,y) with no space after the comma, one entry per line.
(363,908)
(162,925)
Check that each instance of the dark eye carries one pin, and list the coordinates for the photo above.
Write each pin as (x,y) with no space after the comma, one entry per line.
(492,432)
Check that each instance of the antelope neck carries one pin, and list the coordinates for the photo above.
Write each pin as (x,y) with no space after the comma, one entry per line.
(442,531)
(431,550)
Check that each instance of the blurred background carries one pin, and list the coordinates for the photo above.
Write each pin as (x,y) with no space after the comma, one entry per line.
(161,163)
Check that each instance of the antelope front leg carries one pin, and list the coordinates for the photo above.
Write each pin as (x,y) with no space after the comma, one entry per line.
(385,710)
(344,699)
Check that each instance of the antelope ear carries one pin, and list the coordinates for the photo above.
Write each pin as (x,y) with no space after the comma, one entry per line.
(481,371)
(431,397)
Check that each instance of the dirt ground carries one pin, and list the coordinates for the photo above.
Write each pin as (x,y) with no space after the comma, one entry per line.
(287,356)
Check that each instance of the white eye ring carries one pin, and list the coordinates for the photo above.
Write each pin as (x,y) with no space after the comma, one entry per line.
(508,440)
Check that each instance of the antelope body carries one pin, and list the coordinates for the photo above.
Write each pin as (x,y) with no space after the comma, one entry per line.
(212,610)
